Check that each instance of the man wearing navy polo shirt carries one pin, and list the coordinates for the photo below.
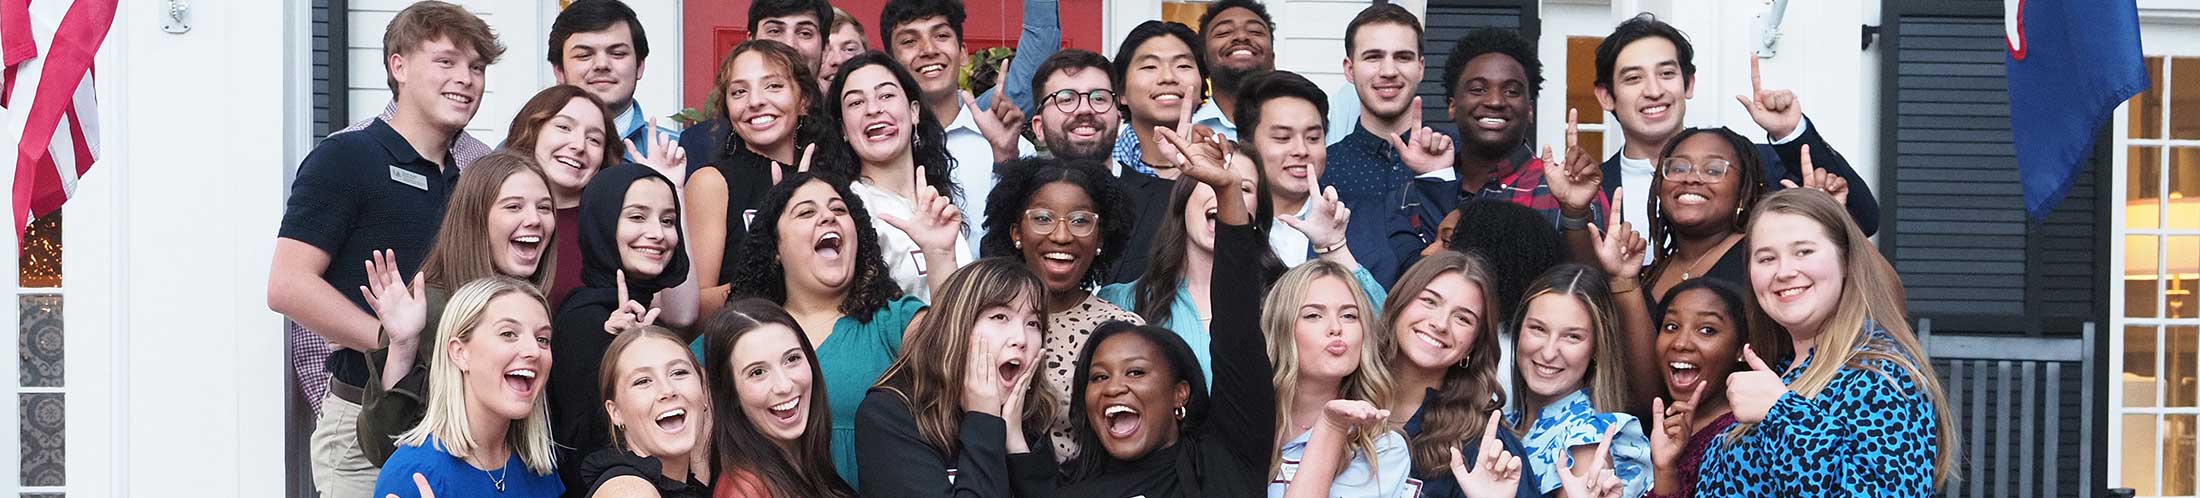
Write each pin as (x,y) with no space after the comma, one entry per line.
(599,45)
(1383,61)
(382,188)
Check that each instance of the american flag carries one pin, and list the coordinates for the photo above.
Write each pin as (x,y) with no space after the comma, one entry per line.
(46,90)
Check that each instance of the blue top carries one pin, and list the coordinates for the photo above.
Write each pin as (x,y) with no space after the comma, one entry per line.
(1184,314)
(1364,164)
(1382,476)
(1445,485)
(1573,421)
(634,126)
(451,476)
(1870,432)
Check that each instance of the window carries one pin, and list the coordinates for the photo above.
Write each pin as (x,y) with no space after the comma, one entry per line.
(1581,79)
(2159,381)
(40,394)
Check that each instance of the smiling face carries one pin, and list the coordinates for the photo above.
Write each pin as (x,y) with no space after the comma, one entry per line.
(1292,145)
(506,358)
(649,229)
(1492,103)
(1162,81)
(1698,342)
(1013,330)
(522,218)
(1238,42)
(931,50)
(845,43)
(604,63)
(1200,209)
(1695,204)
(659,391)
(1130,394)
(1328,332)
(877,115)
(803,32)
(815,245)
(1060,257)
(1437,328)
(1384,67)
(1648,94)
(1556,343)
(570,147)
(1795,271)
(762,101)
(1088,130)
(439,82)
(772,378)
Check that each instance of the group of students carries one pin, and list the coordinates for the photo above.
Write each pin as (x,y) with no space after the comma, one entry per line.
(858,278)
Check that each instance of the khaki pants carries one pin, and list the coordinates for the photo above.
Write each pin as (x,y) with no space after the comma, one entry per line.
(340,469)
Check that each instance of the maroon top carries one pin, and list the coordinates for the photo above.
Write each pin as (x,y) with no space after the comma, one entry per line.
(567,276)
(1692,457)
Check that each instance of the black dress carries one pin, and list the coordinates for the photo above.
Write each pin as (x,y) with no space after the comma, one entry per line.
(616,462)
(747,182)
(1227,456)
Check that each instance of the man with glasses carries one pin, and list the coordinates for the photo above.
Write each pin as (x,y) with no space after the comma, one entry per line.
(1078,120)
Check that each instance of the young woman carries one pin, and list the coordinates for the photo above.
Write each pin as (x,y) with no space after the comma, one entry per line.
(958,414)
(896,154)
(630,249)
(485,416)
(1140,402)
(500,223)
(1571,389)
(1324,351)
(819,262)
(1065,222)
(1442,316)
(654,396)
(1858,410)
(774,109)
(1704,324)
(1519,244)
(1173,293)
(565,130)
(772,429)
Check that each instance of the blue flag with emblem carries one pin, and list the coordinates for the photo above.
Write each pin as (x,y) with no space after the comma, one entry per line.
(2070,63)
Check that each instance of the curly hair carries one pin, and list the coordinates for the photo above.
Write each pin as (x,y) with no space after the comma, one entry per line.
(1022,178)
(1748,170)
(929,140)
(813,125)
(1492,41)
(868,290)
(1517,241)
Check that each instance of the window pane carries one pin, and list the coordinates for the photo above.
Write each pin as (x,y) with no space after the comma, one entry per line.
(41,253)
(2140,369)
(43,430)
(2143,188)
(2184,187)
(2177,454)
(2142,283)
(2181,268)
(1593,143)
(2140,458)
(2184,94)
(2182,362)
(40,341)
(1581,79)
(2146,108)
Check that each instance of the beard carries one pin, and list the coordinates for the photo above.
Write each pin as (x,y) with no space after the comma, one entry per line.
(1099,150)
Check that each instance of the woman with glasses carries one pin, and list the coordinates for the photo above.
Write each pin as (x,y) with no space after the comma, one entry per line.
(1066,222)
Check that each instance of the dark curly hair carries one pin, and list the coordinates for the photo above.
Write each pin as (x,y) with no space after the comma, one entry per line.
(869,289)
(838,159)
(1022,178)
(1492,41)
(1518,242)
(1748,169)
(1644,25)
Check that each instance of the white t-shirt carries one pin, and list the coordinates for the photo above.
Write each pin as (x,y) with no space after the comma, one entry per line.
(1290,244)
(974,168)
(904,261)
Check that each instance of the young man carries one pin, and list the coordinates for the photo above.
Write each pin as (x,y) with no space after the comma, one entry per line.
(1387,146)
(1078,115)
(599,45)
(926,36)
(1236,38)
(1158,77)
(1646,72)
(844,42)
(1285,118)
(382,188)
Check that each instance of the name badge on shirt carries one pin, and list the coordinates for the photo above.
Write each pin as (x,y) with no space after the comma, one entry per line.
(416,180)
(918,256)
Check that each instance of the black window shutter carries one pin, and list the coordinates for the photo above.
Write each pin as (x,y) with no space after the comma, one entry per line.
(330,86)
(1445,22)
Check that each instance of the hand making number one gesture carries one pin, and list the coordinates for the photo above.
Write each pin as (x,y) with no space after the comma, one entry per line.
(1575,182)
(631,314)
(1004,122)
(1423,149)
(1619,246)
(1820,179)
(1203,155)
(666,156)
(801,167)
(1594,478)
(1494,472)
(1753,392)
(1671,426)
(935,223)
(1777,111)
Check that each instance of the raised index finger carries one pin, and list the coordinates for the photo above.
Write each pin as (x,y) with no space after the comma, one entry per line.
(1756,77)
(620,275)
(1604,449)
(1489,430)
(1573,128)
(1807,169)
(1000,81)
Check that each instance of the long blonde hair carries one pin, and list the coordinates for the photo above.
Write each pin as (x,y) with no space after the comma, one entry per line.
(1469,390)
(446,415)
(929,374)
(1606,379)
(1371,382)
(1871,294)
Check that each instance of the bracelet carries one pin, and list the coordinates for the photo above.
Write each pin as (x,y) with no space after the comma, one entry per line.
(1624,285)
(1325,250)
(1571,223)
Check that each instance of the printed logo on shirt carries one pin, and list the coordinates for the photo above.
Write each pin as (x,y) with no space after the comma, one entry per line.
(1289,469)
(416,180)
(951,475)
(1413,487)
(748,219)
(917,255)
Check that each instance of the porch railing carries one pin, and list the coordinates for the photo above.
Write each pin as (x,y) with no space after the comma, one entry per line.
(2023,434)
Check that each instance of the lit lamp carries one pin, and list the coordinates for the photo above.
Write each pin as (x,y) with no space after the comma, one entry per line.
(2145,263)
(2182,263)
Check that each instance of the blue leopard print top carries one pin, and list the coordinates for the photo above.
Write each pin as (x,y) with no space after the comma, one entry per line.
(1868,433)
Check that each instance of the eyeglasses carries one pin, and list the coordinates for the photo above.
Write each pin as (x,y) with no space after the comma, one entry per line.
(1081,223)
(1679,170)
(1066,100)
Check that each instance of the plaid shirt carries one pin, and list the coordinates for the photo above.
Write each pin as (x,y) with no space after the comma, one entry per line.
(1518,180)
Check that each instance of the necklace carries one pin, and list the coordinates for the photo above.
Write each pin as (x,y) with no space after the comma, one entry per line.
(497,480)
(1690,271)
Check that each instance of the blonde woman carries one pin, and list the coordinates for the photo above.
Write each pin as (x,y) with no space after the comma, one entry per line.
(487,429)
(1331,372)
(1571,390)
(1858,411)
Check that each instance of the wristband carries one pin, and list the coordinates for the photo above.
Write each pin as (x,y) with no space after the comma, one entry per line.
(1624,285)
(1325,250)
(1572,223)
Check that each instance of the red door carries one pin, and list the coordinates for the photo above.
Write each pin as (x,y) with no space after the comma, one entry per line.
(713,27)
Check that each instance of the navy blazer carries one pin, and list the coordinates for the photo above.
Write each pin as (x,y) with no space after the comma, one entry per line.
(1862,205)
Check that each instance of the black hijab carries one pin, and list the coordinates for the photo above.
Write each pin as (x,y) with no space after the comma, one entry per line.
(601,202)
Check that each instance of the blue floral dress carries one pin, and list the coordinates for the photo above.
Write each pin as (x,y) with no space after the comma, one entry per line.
(1573,421)
(1870,432)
